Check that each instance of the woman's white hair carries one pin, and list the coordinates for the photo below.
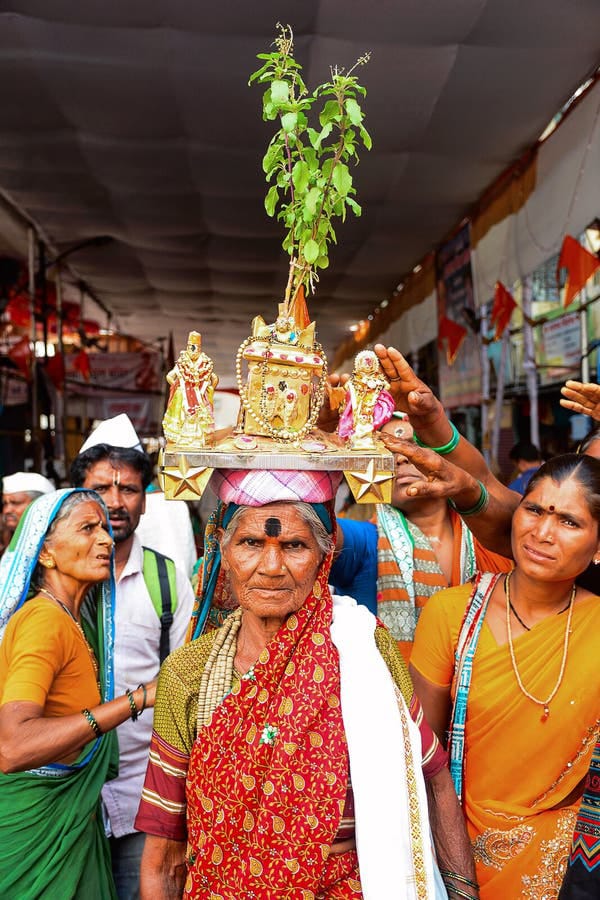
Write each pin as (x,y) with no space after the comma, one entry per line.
(304,510)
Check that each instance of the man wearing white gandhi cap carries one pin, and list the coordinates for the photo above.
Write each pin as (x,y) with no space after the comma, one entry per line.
(154,600)
(18,491)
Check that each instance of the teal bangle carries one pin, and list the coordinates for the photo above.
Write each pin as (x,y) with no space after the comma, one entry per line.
(144,697)
(132,706)
(484,499)
(446,448)
(92,722)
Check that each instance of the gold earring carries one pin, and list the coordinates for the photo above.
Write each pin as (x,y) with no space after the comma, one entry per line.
(48,564)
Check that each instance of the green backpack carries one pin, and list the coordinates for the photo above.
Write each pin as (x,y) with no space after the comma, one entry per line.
(159,575)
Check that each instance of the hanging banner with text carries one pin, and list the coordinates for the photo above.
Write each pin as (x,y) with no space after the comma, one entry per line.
(114,383)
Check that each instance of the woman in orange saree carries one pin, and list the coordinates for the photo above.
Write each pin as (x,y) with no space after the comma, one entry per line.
(512,662)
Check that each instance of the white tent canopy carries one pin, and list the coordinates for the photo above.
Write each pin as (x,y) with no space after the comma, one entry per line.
(134,121)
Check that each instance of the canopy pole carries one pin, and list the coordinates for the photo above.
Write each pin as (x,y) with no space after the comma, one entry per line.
(61,395)
(529,366)
(35,425)
(500,378)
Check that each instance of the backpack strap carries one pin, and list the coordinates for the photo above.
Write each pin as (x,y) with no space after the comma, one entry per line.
(159,576)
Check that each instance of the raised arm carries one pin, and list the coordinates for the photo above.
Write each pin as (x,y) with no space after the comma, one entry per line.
(490,523)
(582,397)
(428,418)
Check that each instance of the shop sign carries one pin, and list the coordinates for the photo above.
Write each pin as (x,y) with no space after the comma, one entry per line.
(559,348)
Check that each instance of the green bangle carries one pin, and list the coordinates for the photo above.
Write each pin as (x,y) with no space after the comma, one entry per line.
(92,722)
(144,697)
(132,706)
(445,873)
(454,890)
(484,499)
(446,448)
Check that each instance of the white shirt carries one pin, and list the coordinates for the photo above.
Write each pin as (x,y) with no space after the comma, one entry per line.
(166,526)
(137,638)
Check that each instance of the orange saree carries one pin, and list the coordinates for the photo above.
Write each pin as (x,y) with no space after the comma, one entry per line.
(522,776)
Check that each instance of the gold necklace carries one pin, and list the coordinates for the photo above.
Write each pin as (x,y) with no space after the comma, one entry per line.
(78,626)
(544,703)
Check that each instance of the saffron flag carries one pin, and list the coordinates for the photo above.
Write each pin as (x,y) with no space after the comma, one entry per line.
(299,310)
(20,353)
(580,265)
(454,334)
(55,369)
(81,364)
(502,309)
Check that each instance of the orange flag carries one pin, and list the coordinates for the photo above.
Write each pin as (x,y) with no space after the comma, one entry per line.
(299,309)
(580,265)
(502,309)
(454,334)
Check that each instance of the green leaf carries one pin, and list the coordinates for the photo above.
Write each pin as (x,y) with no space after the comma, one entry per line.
(313,136)
(330,113)
(289,121)
(310,158)
(300,176)
(322,262)
(342,179)
(366,137)
(311,201)
(311,251)
(280,91)
(271,200)
(325,132)
(271,157)
(353,111)
(354,206)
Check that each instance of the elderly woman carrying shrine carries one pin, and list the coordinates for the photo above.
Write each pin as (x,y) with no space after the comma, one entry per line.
(288,745)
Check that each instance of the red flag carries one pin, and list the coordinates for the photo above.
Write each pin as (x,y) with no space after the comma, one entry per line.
(454,334)
(502,310)
(81,364)
(55,369)
(20,353)
(580,265)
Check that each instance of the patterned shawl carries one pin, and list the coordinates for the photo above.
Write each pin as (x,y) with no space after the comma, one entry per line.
(408,572)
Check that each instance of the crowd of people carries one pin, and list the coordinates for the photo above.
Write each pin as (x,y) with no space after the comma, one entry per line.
(401,708)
